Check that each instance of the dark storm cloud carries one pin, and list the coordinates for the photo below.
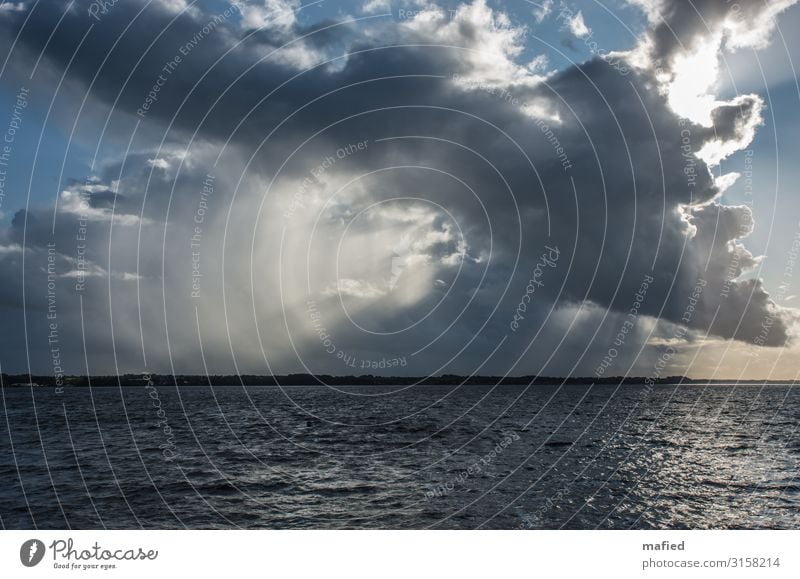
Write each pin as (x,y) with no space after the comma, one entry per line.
(631,200)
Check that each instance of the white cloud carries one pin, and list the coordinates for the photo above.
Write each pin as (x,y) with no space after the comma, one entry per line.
(539,64)
(577,26)
(11,248)
(355,288)
(158,163)
(543,10)
(375,6)
(687,40)
(77,200)
(492,44)
(270,14)
(12,7)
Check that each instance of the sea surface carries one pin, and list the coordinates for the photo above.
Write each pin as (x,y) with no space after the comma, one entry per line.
(466,457)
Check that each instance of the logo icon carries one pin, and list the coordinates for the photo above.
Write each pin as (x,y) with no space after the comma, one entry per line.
(32,552)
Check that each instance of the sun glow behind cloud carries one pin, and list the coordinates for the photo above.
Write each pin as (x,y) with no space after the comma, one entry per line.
(693,77)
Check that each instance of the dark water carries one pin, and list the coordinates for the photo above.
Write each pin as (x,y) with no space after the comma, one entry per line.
(368,457)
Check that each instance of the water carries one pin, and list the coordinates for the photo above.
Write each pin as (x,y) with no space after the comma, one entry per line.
(406,457)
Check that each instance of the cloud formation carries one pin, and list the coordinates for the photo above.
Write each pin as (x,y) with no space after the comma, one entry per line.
(398,178)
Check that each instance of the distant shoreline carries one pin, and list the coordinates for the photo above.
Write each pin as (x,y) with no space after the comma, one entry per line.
(25,380)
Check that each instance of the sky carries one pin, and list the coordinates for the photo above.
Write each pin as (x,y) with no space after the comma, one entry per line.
(400,187)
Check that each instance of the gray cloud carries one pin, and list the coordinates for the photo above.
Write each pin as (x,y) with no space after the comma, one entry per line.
(461,185)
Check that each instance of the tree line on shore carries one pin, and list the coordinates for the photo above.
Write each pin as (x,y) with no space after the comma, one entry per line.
(25,380)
